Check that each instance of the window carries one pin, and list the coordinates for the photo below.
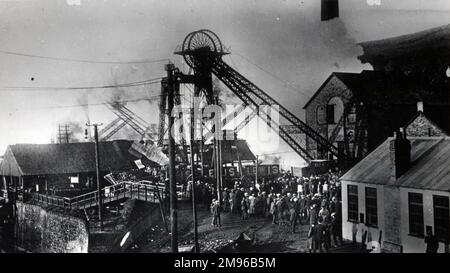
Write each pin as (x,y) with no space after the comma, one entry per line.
(352,194)
(335,110)
(441,217)
(415,211)
(321,115)
(330,114)
(371,207)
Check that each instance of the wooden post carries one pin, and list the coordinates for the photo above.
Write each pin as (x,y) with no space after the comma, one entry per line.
(172,179)
(194,206)
(256,173)
(97,171)
(145,193)
(201,148)
(220,170)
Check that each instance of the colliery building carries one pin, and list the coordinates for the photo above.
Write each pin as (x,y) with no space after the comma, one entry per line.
(358,111)
(68,167)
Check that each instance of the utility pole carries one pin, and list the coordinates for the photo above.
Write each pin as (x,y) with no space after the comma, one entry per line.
(256,174)
(172,183)
(194,206)
(201,148)
(59,134)
(97,171)
(218,159)
(217,168)
(220,170)
(66,132)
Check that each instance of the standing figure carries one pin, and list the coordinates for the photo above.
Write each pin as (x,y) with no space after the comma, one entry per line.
(232,199)
(431,241)
(252,204)
(273,210)
(245,207)
(212,208)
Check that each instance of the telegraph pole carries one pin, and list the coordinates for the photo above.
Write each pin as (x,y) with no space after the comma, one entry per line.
(172,183)
(194,206)
(201,147)
(256,174)
(97,171)
(218,158)
(66,132)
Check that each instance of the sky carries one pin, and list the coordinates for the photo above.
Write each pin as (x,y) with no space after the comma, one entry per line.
(280,45)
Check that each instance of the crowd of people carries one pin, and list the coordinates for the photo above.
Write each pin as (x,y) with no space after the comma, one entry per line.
(288,200)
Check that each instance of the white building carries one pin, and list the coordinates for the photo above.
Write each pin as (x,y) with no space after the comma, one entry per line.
(397,192)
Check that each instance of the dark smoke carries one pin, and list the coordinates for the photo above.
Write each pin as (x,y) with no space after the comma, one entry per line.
(75,131)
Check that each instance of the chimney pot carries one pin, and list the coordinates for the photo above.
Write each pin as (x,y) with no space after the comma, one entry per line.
(420,106)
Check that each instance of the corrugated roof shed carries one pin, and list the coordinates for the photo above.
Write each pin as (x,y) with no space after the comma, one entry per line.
(430,168)
(37,159)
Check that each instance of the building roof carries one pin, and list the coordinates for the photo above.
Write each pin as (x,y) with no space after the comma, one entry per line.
(429,167)
(370,85)
(419,115)
(39,159)
(343,76)
(232,151)
(425,49)
(391,98)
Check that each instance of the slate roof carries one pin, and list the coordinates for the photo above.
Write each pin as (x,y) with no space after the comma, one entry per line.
(230,154)
(417,45)
(429,168)
(38,159)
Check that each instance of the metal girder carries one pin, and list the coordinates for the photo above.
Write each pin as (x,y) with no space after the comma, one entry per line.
(116,109)
(142,123)
(292,129)
(359,132)
(227,74)
(227,119)
(162,113)
(109,126)
(336,129)
(244,122)
(238,87)
(114,131)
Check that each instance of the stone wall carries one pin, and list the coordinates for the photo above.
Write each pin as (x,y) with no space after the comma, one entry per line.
(333,88)
(50,230)
(392,216)
(423,127)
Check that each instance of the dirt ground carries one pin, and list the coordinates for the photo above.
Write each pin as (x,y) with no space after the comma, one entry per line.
(266,237)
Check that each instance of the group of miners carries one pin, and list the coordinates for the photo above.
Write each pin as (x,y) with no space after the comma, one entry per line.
(288,200)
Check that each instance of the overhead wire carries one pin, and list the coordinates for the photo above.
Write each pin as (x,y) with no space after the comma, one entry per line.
(103,103)
(6,52)
(273,75)
(122,85)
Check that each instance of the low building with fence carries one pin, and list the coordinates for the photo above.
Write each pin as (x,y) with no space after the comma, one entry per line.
(66,169)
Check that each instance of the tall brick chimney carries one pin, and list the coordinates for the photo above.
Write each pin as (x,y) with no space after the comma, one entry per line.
(330,9)
(400,154)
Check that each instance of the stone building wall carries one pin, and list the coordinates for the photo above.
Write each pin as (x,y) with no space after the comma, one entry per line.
(421,126)
(333,88)
(392,214)
(48,230)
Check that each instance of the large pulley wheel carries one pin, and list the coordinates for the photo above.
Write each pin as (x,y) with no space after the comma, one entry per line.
(201,47)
